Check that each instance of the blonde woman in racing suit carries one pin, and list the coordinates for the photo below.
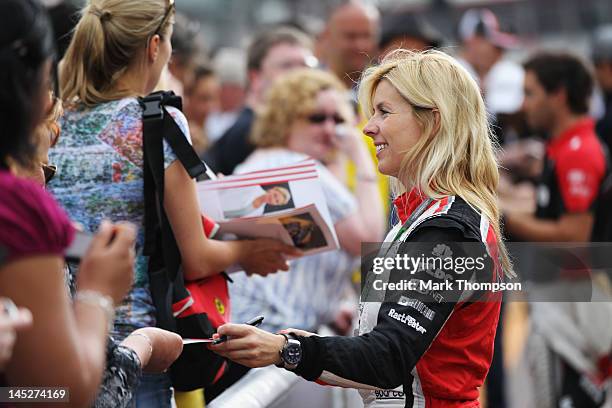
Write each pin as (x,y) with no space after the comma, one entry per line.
(427,344)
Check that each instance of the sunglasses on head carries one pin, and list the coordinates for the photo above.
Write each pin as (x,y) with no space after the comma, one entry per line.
(49,171)
(166,15)
(318,118)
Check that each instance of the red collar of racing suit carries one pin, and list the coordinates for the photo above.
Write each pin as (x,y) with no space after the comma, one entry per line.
(406,203)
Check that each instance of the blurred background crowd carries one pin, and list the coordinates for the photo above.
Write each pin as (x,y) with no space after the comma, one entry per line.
(211,39)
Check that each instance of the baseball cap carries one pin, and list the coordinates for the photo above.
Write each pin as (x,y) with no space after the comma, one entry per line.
(483,22)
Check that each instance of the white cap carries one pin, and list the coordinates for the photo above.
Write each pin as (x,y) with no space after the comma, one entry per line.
(503,87)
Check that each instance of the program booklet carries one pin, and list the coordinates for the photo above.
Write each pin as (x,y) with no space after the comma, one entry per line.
(285,203)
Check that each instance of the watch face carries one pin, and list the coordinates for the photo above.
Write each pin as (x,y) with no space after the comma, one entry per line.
(292,352)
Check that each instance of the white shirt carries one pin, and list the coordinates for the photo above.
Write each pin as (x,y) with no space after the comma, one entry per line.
(311,292)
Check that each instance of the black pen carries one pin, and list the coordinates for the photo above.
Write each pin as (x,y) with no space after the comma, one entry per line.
(256,321)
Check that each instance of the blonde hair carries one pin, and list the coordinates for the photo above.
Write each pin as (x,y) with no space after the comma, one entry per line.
(109,38)
(51,122)
(455,155)
(290,98)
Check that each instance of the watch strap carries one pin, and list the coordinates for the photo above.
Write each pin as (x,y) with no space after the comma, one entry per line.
(280,352)
(287,336)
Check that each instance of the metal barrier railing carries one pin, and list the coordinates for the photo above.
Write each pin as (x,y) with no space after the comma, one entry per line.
(259,388)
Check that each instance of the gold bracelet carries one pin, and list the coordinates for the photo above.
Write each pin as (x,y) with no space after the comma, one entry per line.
(94,298)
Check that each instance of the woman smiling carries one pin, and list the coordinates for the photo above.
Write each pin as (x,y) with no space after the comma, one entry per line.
(428,348)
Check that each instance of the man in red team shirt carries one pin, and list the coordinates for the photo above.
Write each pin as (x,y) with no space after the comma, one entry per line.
(569,341)
(556,103)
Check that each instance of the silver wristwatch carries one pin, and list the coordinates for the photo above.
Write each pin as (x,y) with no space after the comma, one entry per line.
(291,353)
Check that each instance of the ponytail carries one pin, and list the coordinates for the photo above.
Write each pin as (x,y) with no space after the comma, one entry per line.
(110,37)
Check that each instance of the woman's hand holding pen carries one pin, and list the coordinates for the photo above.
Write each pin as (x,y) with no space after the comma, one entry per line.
(248,345)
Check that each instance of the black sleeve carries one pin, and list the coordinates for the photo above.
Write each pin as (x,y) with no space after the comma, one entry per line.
(406,326)
(233,147)
(604,127)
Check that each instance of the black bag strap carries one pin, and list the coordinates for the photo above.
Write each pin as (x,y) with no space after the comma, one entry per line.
(153,164)
(195,368)
(155,113)
(602,227)
(158,125)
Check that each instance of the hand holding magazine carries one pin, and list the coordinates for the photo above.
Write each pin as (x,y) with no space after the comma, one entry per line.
(285,203)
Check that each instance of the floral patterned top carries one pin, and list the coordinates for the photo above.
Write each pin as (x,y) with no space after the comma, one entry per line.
(121,377)
(100,161)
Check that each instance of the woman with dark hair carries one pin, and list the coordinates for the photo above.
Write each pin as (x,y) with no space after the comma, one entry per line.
(35,232)
(148,349)
(27,61)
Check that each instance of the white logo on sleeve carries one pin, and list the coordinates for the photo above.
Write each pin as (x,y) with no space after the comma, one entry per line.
(576,179)
(407,320)
(418,306)
(576,176)
(575,143)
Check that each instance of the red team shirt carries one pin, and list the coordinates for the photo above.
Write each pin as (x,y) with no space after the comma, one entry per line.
(574,170)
